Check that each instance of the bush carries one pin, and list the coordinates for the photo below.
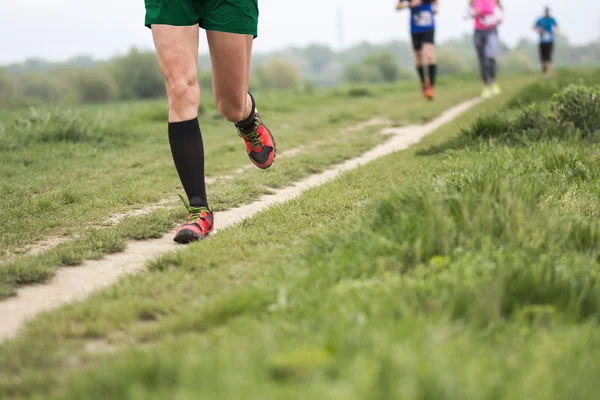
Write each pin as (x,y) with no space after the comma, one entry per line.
(579,106)
(378,67)
(278,74)
(515,62)
(8,88)
(538,91)
(525,126)
(43,86)
(38,126)
(309,87)
(362,73)
(576,112)
(450,63)
(544,90)
(489,126)
(318,56)
(359,92)
(386,64)
(95,86)
(138,75)
(205,81)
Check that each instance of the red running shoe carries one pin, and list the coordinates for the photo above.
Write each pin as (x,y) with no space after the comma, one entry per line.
(200,223)
(430,93)
(260,144)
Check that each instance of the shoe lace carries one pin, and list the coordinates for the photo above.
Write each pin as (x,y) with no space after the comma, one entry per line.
(253,136)
(195,212)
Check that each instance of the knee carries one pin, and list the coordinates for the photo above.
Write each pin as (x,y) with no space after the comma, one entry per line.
(419,58)
(430,53)
(182,89)
(233,107)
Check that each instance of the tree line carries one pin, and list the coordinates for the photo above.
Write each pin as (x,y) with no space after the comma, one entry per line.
(136,75)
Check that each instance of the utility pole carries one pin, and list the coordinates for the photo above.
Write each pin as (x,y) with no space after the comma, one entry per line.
(340,28)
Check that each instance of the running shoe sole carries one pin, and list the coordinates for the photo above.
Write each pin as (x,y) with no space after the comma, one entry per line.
(186,236)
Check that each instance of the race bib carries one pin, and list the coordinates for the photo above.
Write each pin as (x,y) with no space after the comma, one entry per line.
(424,19)
(546,36)
(489,20)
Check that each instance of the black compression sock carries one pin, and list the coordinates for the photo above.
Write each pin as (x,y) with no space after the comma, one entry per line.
(247,125)
(421,72)
(188,153)
(432,74)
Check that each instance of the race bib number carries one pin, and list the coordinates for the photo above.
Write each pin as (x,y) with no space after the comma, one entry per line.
(489,20)
(546,36)
(424,18)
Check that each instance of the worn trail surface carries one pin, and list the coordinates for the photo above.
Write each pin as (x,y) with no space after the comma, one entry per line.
(76,283)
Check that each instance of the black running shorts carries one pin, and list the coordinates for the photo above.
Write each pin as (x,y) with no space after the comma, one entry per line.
(419,39)
(546,51)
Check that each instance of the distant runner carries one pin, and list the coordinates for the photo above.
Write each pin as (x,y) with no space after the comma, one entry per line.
(422,29)
(487,19)
(547,27)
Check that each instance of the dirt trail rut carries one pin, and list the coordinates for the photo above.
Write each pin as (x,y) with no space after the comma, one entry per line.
(71,284)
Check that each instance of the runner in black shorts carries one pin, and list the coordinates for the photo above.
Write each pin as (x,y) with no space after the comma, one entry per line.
(547,28)
(422,28)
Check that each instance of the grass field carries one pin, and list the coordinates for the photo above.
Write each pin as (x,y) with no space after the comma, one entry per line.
(68,170)
(463,268)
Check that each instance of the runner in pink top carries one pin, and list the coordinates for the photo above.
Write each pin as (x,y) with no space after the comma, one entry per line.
(485,14)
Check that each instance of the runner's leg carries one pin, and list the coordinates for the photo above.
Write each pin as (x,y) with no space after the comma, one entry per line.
(429,50)
(479,40)
(177,49)
(491,48)
(230,55)
(420,65)
(549,66)
(418,49)
(542,55)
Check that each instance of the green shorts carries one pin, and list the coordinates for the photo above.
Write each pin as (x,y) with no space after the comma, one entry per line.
(235,16)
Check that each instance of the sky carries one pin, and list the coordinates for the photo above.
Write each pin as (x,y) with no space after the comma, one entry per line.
(60,29)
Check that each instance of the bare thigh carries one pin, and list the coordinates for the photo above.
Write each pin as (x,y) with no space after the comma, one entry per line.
(177,49)
(230,55)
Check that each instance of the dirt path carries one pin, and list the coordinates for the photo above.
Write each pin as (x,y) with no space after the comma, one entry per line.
(71,284)
(164,204)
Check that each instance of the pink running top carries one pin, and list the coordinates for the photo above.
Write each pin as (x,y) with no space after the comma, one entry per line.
(487,11)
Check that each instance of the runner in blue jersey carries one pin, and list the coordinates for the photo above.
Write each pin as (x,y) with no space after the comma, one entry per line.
(546,27)
(422,29)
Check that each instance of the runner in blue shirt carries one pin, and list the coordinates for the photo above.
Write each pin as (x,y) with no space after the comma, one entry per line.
(422,29)
(546,27)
